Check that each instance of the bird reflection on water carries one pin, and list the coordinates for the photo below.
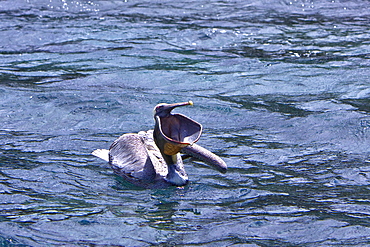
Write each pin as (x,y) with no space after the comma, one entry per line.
(152,159)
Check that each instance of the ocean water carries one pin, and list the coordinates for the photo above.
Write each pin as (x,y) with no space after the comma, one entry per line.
(280,87)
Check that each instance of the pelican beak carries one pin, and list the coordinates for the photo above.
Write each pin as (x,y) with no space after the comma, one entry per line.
(174,105)
(174,131)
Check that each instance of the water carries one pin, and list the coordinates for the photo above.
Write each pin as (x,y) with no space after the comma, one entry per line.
(281,88)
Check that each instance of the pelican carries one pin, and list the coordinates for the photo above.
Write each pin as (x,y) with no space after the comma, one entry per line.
(152,159)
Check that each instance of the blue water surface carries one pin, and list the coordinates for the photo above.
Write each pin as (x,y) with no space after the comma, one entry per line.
(280,87)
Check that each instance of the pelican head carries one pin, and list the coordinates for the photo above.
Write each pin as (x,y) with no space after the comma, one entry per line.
(172,132)
(164,110)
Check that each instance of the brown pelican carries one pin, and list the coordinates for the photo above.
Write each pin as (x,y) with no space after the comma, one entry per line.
(151,159)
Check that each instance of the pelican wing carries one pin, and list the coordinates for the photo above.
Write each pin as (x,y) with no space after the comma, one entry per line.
(129,157)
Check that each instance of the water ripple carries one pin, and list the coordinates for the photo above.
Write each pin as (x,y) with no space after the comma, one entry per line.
(279,86)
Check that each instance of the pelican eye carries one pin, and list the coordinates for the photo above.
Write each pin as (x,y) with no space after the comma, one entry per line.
(159,107)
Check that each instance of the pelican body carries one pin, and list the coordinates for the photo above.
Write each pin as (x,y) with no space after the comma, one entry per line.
(152,159)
